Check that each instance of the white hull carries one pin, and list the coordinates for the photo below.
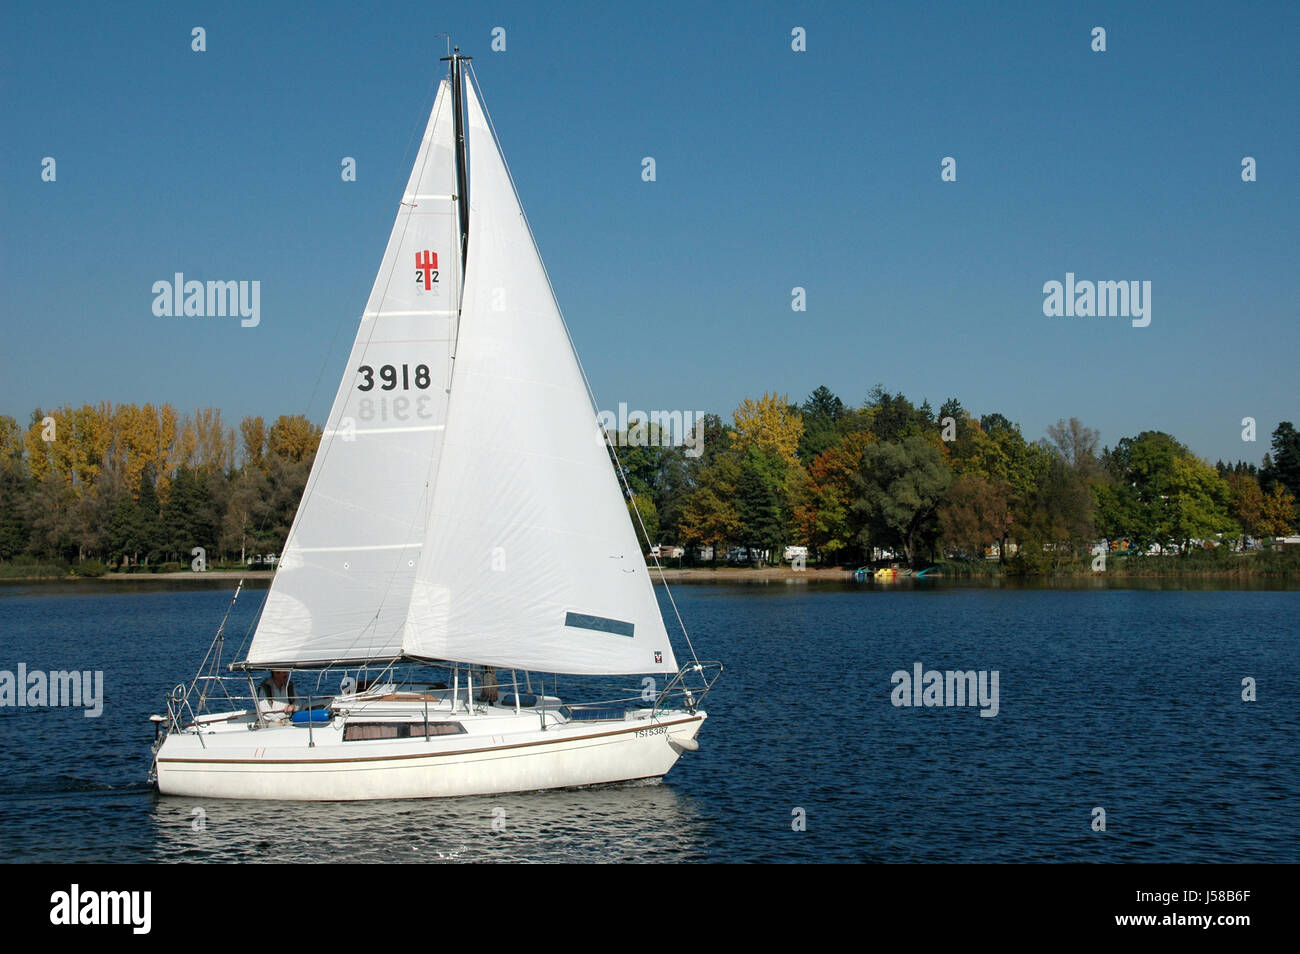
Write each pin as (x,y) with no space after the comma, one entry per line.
(500,751)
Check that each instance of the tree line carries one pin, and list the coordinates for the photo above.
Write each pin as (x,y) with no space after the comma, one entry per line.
(892,475)
(129,485)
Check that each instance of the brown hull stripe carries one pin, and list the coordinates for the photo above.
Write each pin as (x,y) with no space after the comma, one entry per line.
(426,755)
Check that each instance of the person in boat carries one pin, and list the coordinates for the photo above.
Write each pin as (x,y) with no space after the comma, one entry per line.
(488,686)
(277,693)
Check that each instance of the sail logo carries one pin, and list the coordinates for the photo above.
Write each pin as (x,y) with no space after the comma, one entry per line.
(36,689)
(426,269)
(655,429)
(1086,299)
(194,299)
(75,906)
(950,688)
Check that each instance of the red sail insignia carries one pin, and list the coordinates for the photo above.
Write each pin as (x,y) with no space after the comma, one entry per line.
(426,268)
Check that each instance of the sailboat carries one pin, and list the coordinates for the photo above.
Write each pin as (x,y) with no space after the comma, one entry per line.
(463,542)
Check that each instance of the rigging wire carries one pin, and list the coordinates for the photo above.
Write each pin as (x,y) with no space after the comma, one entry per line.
(591,395)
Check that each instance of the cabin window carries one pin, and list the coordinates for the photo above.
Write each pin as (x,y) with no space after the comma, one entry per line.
(369,731)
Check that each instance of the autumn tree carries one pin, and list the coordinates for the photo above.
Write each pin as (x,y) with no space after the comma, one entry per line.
(976,511)
(709,515)
(252,432)
(293,438)
(770,423)
(824,515)
(1277,512)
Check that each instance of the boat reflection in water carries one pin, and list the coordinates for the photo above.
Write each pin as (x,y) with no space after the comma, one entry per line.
(629,822)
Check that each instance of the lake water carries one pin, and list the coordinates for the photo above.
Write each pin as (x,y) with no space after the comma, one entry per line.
(1129,700)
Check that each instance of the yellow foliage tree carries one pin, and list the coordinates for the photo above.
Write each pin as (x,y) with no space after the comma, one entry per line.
(186,449)
(71,443)
(293,438)
(769,423)
(1278,512)
(215,441)
(253,432)
(91,438)
(40,459)
(12,439)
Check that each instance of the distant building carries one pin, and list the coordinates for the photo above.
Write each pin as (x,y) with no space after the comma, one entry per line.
(994,551)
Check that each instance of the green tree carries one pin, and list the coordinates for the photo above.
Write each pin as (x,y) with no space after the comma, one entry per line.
(892,417)
(15,486)
(822,414)
(645,507)
(760,500)
(188,520)
(1282,466)
(51,514)
(1198,502)
(900,486)
(247,513)
(1159,492)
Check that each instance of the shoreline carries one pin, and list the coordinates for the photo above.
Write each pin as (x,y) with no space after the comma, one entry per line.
(744,574)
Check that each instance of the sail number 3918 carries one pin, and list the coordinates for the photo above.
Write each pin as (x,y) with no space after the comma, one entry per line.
(388,376)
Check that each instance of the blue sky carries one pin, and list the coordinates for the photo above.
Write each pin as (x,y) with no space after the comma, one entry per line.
(775,169)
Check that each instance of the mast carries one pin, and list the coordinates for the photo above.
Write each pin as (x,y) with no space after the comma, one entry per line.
(462,167)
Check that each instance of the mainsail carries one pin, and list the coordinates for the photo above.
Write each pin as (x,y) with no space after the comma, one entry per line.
(531,561)
(483,523)
(344,581)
